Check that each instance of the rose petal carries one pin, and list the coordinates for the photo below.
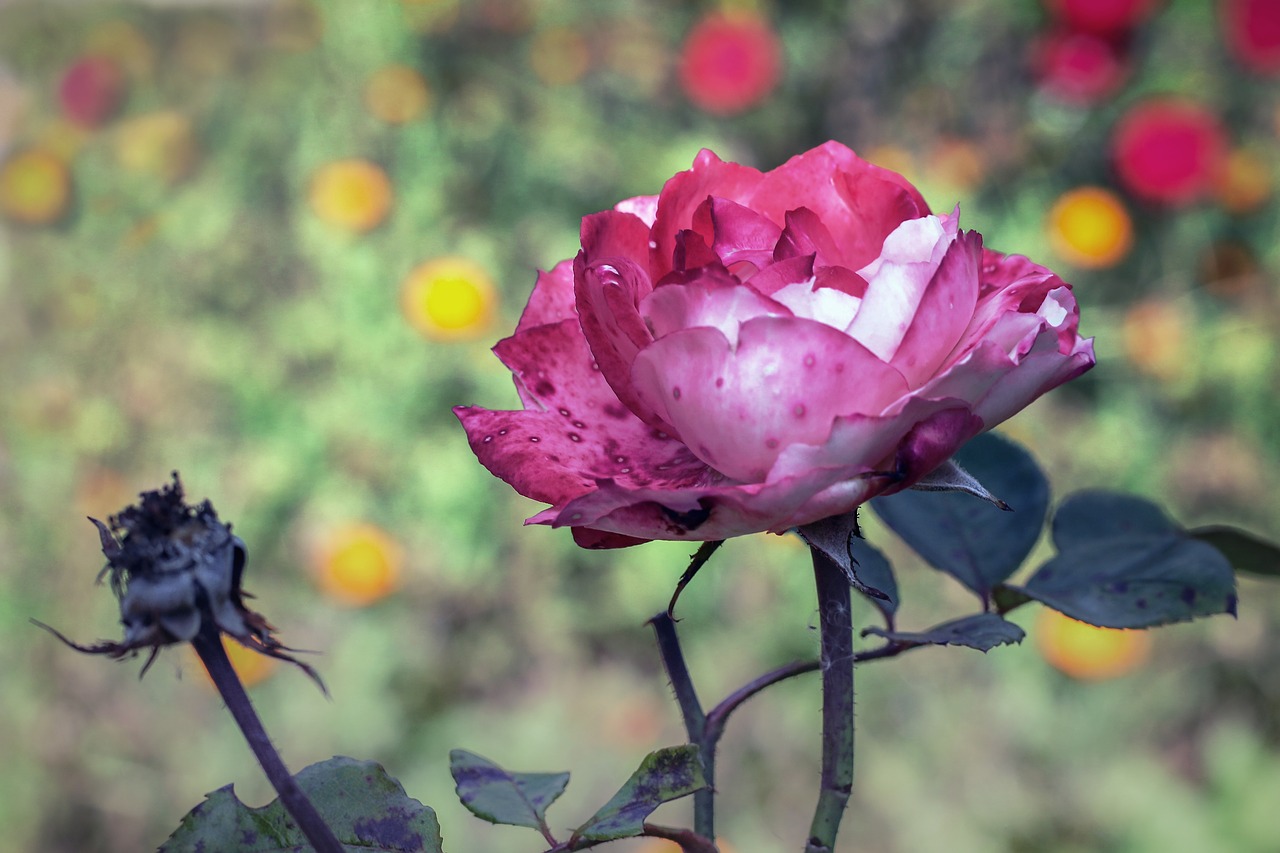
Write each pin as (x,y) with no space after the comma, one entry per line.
(552,299)
(741,234)
(643,207)
(784,383)
(897,281)
(711,298)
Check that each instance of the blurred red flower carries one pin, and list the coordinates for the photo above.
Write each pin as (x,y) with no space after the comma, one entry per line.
(1169,150)
(730,62)
(1251,29)
(1079,67)
(1101,16)
(91,91)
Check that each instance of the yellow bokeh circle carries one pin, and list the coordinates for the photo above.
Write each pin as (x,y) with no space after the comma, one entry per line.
(1154,334)
(252,667)
(1090,227)
(449,298)
(358,564)
(397,94)
(1246,183)
(559,56)
(353,195)
(35,187)
(1088,652)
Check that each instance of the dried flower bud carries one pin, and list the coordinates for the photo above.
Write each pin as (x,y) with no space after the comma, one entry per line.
(176,570)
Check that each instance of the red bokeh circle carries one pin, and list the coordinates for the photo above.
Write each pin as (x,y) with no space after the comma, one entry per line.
(730,62)
(1168,150)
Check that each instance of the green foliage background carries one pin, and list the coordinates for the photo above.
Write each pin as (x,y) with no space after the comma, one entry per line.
(216,326)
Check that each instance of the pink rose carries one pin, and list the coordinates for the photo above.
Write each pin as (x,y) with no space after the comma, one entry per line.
(754,351)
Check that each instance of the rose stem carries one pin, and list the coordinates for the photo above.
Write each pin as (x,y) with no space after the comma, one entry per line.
(208,645)
(836,627)
(695,721)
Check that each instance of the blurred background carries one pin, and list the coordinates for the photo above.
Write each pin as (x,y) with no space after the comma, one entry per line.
(269,243)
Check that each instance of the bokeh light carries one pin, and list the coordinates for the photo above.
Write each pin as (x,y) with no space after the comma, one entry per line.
(1102,16)
(1087,652)
(1169,150)
(253,668)
(1078,67)
(161,145)
(1251,29)
(449,298)
(358,564)
(1246,182)
(559,56)
(1155,336)
(730,62)
(91,90)
(1090,227)
(353,195)
(35,187)
(397,94)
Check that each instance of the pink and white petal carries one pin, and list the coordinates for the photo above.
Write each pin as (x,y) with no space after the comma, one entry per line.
(1040,371)
(610,235)
(552,299)
(897,280)
(643,207)
(711,297)
(525,449)
(784,383)
(806,234)
(943,313)
(826,305)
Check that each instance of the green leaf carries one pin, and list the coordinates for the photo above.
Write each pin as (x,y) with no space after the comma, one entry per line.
(1245,551)
(665,775)
(971,539)
(1095,514)
(1007,598)
(500,796)
(983,631)
(366,809)
(1136,581)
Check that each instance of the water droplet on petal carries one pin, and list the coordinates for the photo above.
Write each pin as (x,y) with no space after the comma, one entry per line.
(625,470)
(564,412)
(675,393)
(809,360)
(488,438)
(573,436)
(534,439)
(798,410)
(502,432)
(771,443)
(619,459)
(579,425)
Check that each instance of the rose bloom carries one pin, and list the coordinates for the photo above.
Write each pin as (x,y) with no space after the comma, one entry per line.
(754,351)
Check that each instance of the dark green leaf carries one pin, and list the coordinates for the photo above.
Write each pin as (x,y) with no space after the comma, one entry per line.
(1136,581)
(1245,551)
(1090,515)
(1007,598)
(366,809)
(665,775)
(868,571)
(974,541)
(499,796)
(983,632)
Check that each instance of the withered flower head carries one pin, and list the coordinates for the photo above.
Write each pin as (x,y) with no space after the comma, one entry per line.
(176,570)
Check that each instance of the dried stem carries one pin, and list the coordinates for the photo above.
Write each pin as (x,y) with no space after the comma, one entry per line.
(208,645)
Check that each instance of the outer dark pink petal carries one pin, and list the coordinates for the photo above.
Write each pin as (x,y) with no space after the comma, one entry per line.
(1009,283)
(1040,371)
(776,276)
(805,234)
(943,313)
(552,300)
(860,204)
(741,234)
(574,431)
(738,407)
(681,196)
(597,540)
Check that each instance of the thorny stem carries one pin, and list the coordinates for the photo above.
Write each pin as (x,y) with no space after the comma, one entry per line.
(695,720)
(836,627)
(208,645)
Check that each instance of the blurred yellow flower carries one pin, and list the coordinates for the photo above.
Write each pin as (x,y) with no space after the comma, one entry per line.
(35,187)
(449,298)
(397,94)
(358,564)
(122,41)
(1246,183)
(1154,336)
(160,144)
(252,667)
(1088,652)
(1090,227)
(559,56)
(354,195)
(661,845)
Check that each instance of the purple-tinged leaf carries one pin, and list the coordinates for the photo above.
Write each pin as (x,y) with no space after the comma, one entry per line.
(665,775)
(1245,551)
(499,796)
(983,632)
